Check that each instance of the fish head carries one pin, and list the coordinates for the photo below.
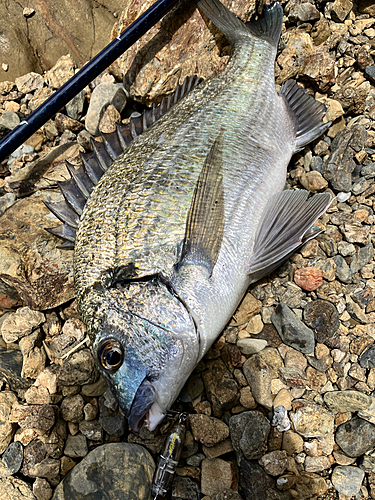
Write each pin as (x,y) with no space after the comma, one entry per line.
(146,347)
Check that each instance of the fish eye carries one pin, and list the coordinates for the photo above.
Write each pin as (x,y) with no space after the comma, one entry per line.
(110,354)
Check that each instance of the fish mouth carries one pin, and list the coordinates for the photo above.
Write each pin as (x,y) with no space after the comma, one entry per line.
(144,398)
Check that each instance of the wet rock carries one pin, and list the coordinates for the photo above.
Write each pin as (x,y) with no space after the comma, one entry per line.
(311,420)
(125,469)
(217,475)
(222,389)
(78,369)
(275,462)
(31,267)
(340,164)
(323,318)
(12,488)
(355,437)
(308,278)
(249,433)
(259,379)
(292,331)
(13,457)
(347,479)
(103,95)
(208,430)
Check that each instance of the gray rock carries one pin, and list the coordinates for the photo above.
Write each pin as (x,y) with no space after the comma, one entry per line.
(343,272)
(347,479)
(71,408)
(8,121)
(79,368)
(74,107)
(355,437)
(11,362)
(307,12)
(91,429)
(76,446)
(292,331)
(368,171)
(362,258)
(345,248)
(249,434)
(340,164)
(257,484)
(360,185)
(13,457)
(280,419)
(124,469)
(103,95)
(323,318)
(110,417)
(28,83)
(370,73)
(367,359)
(343,401)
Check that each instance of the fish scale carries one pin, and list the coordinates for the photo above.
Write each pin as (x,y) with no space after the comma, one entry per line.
(189,215)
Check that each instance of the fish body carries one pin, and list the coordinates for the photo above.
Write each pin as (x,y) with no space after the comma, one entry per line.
(189,215)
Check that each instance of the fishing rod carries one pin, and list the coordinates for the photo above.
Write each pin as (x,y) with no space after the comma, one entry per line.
(86,75)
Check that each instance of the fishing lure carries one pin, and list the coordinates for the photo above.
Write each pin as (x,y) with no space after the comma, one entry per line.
(169,459)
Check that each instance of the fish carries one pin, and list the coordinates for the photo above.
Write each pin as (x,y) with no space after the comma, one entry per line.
(170,226)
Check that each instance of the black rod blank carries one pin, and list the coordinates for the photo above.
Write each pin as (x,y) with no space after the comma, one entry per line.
(81,79)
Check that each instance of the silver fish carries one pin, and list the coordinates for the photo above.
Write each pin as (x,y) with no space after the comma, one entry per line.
(189,215)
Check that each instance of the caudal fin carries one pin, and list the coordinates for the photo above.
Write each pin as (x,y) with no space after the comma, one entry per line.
(268,27)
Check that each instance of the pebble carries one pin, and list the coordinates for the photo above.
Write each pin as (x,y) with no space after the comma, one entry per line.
(103,94)
(292,331)
(283,398)
(322,317)
(78,369)
(183,488)
(256,483)
(308,278)
(71,408)
(347,479)
(6,202)
(259,379)
(225,495)
(76,446)
(250,346)
(249,307)
(110,416)
(33,417)
(249,432)
(124,469)
(343,401)
(217,475)
(74,107)
(343,272)
(208,430)
(275,462)
(311,420)
(292,442)
(222,390)
(367,358)
(60,72)
(12,488)
(280,419)
(13,457)
(41,489)
(316,464)
(355,437)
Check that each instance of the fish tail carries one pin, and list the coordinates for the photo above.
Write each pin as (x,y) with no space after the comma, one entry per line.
(268,27)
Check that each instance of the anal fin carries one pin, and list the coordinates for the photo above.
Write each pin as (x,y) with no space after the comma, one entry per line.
(306,112)
(205,221)
(286,223)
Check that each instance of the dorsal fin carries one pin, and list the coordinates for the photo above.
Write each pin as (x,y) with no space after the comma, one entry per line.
(306,112)
(83,179)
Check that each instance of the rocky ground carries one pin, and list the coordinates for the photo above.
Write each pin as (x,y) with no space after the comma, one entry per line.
(282,406)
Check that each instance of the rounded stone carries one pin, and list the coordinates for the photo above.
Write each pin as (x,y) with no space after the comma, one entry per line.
(343,401)
(13,457)
(250,346)
(355,437)
(323,318)
(124,469)
(275,462)
(309,278)
(347,479)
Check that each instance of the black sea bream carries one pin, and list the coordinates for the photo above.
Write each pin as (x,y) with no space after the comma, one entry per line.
(189,215)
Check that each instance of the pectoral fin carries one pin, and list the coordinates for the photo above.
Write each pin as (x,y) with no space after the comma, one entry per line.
(205,221)
(286,223)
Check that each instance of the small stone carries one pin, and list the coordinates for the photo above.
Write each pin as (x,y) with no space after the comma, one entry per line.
(41,489)
(347,479)
(217,475)
(110,416)
(48,467)
(280,419)
(33,417)
(224,495)
(218,449)
(64,122)
(256,483)
(292,443)
(292,331)
(259,379)
(185,488)
(208,430)
(108,120)
(283,398)
(78,369)
(293,377)
(249,307)
(355,437)
(72,408)
(221,388)
(308,278)
(249,433)
(20,323)
(307,12)
(91,429)
(275,462)
(124,469)
(255,325)
(323,318)
(313,181)
(103,95)
(60,73)
(250,346)
(311,420)
(317,464)
(96,389)
(295,359)
(342,459)
(76,446)
(367,358)
(28,83)
(343,401)
(7,427)
(13,457)
(6,201)
(246,398)
(12,488)
(74,107)
(340,9)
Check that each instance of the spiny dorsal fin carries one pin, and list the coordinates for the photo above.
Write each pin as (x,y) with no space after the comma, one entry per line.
(205,221)
(268,27)
(306,112)
(78,188)
(286,223)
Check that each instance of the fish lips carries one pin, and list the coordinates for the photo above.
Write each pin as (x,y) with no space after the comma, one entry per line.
(144,398)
